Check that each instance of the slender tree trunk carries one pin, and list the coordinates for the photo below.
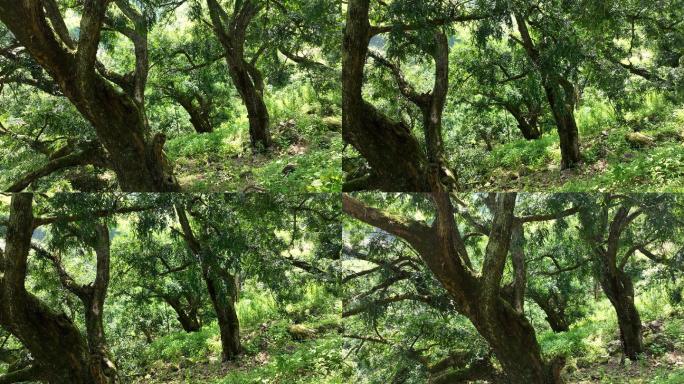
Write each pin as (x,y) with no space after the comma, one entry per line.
(229,325)
(616,284)
(221,289)
(101,366)
(561,98)
(562,106)
(245,76)
(253,99)
(620,291)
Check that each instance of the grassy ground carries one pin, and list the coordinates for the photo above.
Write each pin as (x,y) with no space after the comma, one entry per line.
(298,344)
(612,159)
(306,158)
(592,346)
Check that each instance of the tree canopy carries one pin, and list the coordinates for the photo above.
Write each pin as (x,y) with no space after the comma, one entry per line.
(492,95)
(132,95)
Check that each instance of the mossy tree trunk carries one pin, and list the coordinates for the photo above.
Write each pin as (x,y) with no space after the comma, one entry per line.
(231,31)
(61,353)
(221,287)
(476,296)
(118,117)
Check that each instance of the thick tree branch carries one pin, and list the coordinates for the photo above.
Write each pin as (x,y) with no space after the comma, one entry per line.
(408,229)
(405,87)
(30,373)
(497,247)
(64,277)
(91,153)
(548,216)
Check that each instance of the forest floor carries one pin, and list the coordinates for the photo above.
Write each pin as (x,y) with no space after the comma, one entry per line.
(594,350)
(638,155)
(664,369)
(297,345)
(306,157)
(272,355)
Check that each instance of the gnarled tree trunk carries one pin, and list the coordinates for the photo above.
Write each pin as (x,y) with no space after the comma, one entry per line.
(514,343)
(479,298)
(199,114)
(554,310)
(187,315)
(396,159)
(59,349)
(616,284)
(527,125)
(231,31)
(563,105)
(221,288)
(118,118)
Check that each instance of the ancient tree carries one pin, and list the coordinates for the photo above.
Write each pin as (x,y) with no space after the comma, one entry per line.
(113,103)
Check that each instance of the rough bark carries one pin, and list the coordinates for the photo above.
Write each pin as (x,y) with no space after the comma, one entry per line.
(119,119)
(221,288)
(248,81)
(620,291)
(397,161)
(53,340)
(560,95)
(519,267)
(615,283)
(431,105)
(478,297)
(92,297)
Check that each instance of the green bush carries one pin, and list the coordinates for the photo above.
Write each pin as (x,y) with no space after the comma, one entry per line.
(314,361)
(595,115)
(256,307)
(535,154)
(195,346)
(224,142)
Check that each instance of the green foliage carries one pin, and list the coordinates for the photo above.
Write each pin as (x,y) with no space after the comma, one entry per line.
(216,146)
(256,307)
(595,115)
(587,339)
(515,154)
(176,346)
(314,361)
